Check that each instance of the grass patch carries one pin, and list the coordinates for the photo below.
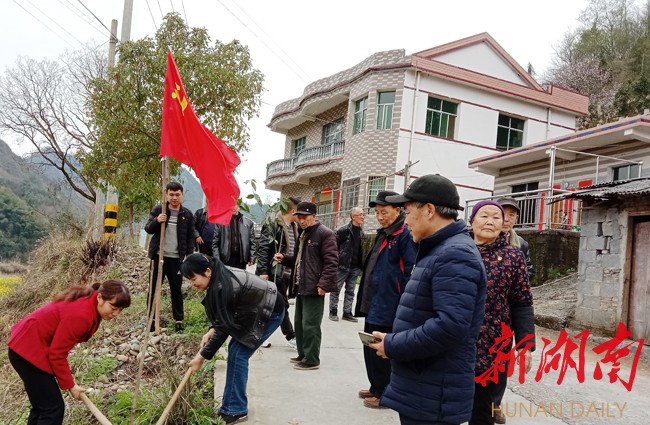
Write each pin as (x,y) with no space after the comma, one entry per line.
(90,368)
(8,283)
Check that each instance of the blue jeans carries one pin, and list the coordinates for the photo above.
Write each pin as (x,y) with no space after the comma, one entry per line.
(235,401)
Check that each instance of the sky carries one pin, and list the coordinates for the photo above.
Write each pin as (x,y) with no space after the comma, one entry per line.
(293,42)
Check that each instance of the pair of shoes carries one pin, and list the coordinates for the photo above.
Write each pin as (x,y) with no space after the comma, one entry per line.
(295,359)
(334,317)
(499,417)
(266,344)
(349,317)
(365,394)
(233,419)
(179,327)
(373,403)
(305,366)
(292,343)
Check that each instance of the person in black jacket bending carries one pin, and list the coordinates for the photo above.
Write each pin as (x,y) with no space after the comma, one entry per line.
(240,305)
(180,237)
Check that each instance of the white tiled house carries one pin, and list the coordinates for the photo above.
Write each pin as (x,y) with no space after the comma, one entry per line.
(353,133)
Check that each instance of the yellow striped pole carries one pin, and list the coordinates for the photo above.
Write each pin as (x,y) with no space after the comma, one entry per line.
(110,221)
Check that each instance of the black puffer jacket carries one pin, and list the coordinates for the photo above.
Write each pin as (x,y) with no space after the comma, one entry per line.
(184,229)
(252,303)
(273,238)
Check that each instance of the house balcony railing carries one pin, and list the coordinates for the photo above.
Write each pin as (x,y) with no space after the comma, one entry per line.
(306,157)
(541,209)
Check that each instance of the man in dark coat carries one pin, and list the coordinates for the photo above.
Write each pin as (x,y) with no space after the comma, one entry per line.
(433,344)
(279,236)
(349,239)
(180,237)
(315,261)
(205,229)
(386,271)
(234,244)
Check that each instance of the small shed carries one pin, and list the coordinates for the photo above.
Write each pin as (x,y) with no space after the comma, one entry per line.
(614,259)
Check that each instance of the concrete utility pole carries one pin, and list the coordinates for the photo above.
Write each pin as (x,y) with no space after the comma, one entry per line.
(126,20)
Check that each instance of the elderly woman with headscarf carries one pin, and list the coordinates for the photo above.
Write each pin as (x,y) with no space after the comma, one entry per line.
(508,301)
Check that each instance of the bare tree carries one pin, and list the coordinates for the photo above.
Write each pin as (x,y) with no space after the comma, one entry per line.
(44,102)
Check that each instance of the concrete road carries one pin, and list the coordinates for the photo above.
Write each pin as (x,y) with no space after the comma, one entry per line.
(279,394)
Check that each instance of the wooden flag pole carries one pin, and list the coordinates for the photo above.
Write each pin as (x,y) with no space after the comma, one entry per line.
(103,420)
(177,393)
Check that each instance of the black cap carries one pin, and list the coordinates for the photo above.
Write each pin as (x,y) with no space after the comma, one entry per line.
(305,208)
(294,200)
(431,188)
(381,199)
(509,202)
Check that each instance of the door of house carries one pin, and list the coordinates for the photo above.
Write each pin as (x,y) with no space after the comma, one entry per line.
(639,320)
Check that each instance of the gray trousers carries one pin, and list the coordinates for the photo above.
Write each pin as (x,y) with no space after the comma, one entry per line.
(349,278)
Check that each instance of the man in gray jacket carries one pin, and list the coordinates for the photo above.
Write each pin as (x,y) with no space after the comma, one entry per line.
(234,244)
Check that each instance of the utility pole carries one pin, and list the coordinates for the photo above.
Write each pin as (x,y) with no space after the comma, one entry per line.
(126,20)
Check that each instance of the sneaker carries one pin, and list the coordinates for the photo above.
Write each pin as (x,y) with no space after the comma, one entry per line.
(233,419)
(499,417)
(266,344)
(365,394)
(349,317)
(179,327)
(373,403)
(292,343)
(305,366)
(295,359)
(334,317)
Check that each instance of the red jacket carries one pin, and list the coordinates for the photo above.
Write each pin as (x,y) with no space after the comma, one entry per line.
(45,337)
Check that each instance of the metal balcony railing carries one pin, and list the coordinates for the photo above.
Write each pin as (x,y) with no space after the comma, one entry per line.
(305,157)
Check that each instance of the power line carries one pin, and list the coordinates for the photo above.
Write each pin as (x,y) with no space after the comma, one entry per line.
(44,24)
(274,42)
(70,6)
(263,42)
(155,27)
(172,3)
(185,14)
(55,22)
(95,16)
(160,8)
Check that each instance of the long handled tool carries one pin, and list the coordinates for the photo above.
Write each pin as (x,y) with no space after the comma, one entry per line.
(95,411)
(168,409)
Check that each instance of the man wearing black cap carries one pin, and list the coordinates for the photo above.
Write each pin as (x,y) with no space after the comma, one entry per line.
(386,270)
(433,344)
(315,261)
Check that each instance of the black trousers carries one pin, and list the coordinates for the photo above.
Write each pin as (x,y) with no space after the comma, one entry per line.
(286,327)
(171,270)
(485,400)
(378,369)
(43,392)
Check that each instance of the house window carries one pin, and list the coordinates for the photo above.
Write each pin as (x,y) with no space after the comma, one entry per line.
(375,185)
(350,193)
(299,145)
(360,114)
(441,118)
(333,132)
(510,132)
(385,104)
(528,204)
(631,171)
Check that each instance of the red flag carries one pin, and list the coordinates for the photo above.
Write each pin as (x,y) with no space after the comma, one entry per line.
(186,139)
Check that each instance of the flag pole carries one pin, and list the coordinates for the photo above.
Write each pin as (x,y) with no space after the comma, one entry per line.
(165,180)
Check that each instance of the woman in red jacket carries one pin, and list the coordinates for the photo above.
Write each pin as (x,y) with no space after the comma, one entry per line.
(40,343)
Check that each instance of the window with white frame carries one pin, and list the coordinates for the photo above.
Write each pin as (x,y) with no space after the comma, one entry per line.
(360,114)
(385,105)
(375,185)
(299,145)
(441,118)
(510,132)
(333,132)
(350,193)
(625,172)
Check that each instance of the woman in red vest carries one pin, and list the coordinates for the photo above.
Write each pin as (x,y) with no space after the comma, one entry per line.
(40,343)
